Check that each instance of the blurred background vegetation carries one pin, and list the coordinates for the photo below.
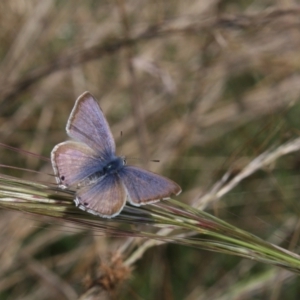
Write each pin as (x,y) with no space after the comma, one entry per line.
(203,86)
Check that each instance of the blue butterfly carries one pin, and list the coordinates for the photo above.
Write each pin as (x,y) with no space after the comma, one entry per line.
(102,180)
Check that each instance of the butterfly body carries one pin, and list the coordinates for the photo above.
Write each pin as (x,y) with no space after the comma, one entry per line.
(102,180)
(112,167)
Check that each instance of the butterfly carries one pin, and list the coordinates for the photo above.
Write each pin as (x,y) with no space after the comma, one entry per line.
(89,164)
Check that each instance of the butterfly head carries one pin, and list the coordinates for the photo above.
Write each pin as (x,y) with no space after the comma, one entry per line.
(114,165)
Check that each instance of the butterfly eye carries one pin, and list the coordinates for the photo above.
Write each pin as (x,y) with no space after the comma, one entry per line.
(62,178)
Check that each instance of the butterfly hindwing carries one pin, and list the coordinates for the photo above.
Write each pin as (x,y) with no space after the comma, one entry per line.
(145,187)
(73,162)
(105,198)
(88,125)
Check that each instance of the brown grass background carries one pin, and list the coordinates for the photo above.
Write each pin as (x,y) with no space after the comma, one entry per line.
(203,86)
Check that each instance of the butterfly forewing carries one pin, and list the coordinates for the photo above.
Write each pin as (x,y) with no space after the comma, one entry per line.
(88,125)
(72,162)
(105,198)
(146,187)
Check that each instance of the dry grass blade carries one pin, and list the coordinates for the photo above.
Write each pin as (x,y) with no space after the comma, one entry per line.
(261,162)
(186,222)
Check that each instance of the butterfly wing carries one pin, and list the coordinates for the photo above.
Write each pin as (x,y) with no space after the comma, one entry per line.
(88,125)
(105,198)
(144,187)
(73,162)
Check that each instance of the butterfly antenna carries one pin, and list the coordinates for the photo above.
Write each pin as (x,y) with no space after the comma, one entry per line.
(135,158)
(121,137)
(138,158)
